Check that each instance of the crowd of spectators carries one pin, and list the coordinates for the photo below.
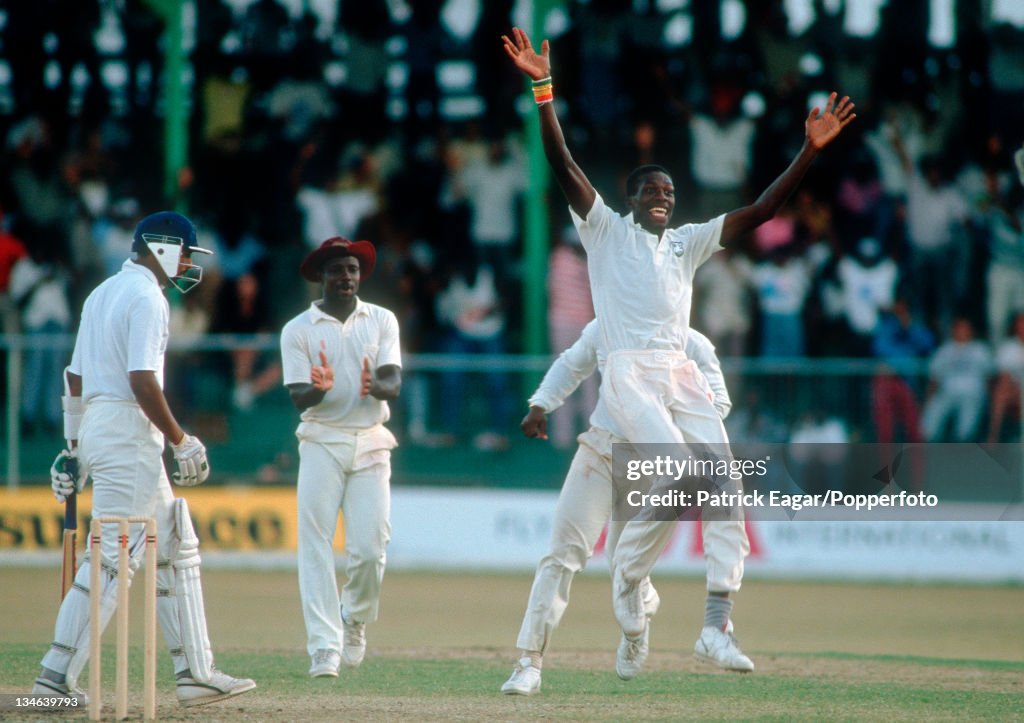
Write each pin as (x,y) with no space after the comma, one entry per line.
(916,214)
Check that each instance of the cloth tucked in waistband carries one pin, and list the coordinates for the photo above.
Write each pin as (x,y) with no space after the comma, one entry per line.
(369,438)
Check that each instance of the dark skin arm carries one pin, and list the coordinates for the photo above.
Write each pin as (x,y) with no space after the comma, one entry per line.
(385,386)
(820,129)
(309,394)
(305,396)
(574,183)
(535,423)
(151,399)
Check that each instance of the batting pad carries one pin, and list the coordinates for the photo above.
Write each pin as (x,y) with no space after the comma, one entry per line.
(189,594)
(73,618)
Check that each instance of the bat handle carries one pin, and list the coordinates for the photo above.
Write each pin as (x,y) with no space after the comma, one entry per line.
(71,504)
(71,512)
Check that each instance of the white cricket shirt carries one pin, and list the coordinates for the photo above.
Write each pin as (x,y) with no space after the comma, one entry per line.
(586,355)
(124,329)
(371,331)
(643,286)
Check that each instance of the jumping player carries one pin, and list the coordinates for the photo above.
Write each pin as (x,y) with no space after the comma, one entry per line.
(641,277)
(116,419)
(585,504)
(342,365)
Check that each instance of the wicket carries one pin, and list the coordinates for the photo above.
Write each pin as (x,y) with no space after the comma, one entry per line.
(149,619)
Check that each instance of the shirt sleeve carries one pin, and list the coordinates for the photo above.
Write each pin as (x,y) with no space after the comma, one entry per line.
(390,352)
(295,357)
(148,323)
(704,239)
(594,229)
(702,351)
(567,372)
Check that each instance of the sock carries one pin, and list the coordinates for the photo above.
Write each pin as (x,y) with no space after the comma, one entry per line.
(716,612)
(536,657)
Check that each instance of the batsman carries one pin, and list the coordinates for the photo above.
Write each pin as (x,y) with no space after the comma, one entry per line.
(116,421)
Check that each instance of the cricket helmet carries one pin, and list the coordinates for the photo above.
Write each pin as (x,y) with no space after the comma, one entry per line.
(171,238)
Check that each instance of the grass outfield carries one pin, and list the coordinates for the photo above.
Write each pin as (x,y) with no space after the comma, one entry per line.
(445,643)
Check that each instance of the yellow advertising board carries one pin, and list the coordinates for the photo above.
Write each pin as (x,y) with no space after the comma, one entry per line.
(225,518)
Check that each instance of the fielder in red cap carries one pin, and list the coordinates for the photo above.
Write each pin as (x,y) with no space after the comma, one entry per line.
(342,365)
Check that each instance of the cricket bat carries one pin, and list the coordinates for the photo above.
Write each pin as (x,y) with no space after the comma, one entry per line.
(67,565)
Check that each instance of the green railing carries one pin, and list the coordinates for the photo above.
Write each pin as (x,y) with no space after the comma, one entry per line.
(255,443)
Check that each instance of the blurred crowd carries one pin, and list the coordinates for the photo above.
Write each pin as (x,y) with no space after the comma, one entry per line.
(904,243)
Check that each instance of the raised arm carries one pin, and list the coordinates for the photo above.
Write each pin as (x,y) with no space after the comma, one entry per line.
(820,129)
(577,188)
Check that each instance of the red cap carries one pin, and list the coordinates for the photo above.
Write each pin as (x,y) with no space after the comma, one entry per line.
(334,248)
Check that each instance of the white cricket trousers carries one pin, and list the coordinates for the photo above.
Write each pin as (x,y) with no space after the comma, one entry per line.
(122,451)
(584,506)
(656,396)
(335,476)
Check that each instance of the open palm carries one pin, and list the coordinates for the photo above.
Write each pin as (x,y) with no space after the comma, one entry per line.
(822,127)
(520,50)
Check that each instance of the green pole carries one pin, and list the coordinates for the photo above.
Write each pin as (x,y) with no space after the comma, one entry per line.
(175,116)
(536,224)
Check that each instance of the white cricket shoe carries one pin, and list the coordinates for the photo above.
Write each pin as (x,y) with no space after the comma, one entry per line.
(722,649)
(50,688)
(354,647)
(220,686)
(325,663)
(628,604)
(525,678)
(632,654)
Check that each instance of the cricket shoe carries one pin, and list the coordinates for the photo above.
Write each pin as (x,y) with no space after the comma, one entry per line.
(219,687)
(632,654)
(46,687)
(525,678)
(354,639)
(628,604)
(721,648)
(325,663)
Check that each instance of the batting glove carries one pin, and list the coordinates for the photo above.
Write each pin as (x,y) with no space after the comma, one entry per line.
(65,475)
(193,468)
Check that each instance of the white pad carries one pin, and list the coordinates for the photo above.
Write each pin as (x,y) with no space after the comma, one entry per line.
(71,634)
(189,595)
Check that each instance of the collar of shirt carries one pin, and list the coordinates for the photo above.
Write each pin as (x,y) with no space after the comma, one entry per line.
(644,233)
(137,268)
(319,314)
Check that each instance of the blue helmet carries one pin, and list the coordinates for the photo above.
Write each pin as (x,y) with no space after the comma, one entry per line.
(171,238)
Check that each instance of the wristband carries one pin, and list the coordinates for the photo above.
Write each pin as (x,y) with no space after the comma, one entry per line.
(543,91)
(73,408)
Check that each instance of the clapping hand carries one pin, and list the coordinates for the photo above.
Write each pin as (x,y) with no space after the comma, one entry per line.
(365,379)
(322,376)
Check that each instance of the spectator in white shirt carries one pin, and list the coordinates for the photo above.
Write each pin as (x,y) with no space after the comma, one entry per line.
(782,284)
(939,251)
(867,282)
(1009,385)
(471,309)
(958,374)
(492,187)
(721,153)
